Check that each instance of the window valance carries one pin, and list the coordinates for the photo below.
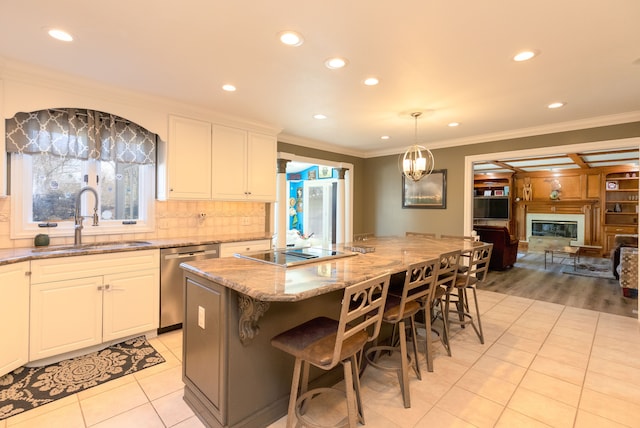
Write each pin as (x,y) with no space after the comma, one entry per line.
(80,134)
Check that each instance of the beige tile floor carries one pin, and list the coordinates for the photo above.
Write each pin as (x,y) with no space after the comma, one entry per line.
(542,365)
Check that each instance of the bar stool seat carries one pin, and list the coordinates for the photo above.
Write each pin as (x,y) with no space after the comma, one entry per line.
(324,343)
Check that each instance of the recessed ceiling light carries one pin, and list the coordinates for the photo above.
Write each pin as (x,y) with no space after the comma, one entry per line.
(385,137)
(453,124)
(319,116)
(228,88)
(335,63)
(371,81)
(525,55)
(60,35)
(291,38)
(557,104)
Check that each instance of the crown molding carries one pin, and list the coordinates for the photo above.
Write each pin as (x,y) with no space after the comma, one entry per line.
(594,122)
(38,76)
(320,145)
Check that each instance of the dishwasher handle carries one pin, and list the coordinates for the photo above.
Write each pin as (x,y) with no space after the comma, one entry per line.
(191,254)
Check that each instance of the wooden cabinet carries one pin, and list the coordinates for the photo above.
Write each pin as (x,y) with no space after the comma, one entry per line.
(80,301)
(189,159)
(610,233)
(621,199)
(243,165)
(230,248)
(620,207)
(14,316)
(492,202)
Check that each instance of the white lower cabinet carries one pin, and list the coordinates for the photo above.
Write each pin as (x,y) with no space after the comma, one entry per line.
(14,316)
(65,316)
(228,249)
(80,301)
(130,305)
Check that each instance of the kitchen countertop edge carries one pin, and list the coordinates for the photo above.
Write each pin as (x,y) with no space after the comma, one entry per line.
(17,255)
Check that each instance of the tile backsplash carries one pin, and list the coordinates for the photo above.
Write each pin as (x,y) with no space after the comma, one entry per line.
(174,219)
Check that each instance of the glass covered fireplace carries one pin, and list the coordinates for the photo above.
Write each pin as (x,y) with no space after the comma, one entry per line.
(562,229)
(569,226)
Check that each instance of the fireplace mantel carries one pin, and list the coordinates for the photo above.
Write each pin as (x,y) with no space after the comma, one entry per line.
(551,206)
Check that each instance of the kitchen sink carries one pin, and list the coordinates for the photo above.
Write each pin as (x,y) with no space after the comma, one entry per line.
(92,246)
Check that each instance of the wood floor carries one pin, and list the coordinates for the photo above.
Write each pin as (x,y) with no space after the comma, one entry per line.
(528,278)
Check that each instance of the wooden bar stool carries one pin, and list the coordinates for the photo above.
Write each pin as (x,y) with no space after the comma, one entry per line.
(325,343)
(474,273)
(418,285)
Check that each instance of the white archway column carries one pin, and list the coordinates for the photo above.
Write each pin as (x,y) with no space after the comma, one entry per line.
(282,204)
(340,207)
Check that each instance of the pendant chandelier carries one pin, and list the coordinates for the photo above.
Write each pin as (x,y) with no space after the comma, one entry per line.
(417,161)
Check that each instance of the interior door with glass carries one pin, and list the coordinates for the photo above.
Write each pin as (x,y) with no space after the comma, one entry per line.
(319,210)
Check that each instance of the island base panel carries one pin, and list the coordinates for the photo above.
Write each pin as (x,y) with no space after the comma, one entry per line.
(252,388)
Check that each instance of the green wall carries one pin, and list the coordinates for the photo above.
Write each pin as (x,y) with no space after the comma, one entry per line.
(378,183)
(383,212)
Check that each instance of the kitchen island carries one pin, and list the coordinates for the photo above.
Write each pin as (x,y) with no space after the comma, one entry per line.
(234,306)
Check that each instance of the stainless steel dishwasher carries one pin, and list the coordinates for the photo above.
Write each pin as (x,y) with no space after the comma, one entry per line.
(171,279)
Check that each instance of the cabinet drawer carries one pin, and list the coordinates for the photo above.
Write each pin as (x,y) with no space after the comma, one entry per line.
(58,269)
(231,248)
(621,229)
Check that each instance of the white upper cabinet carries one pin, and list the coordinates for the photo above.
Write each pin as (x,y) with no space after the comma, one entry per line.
(189,160)
(229,170)
(261,167)
(243,165)
(211,161)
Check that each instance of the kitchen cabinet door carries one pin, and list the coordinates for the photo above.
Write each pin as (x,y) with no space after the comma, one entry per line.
(189,160)
(131,303)
(261,167)
(243,165)
(65,316)
(14,316)
(229,174)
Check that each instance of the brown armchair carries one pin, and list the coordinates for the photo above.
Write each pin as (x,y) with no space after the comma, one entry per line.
(505,246)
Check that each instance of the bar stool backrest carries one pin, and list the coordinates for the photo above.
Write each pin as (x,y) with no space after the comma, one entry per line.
(464,238)
(448,268)
(479,261)
(420,282)
(365,298)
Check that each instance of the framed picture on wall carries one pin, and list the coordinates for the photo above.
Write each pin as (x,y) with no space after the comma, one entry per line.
(429,192)
(325,172)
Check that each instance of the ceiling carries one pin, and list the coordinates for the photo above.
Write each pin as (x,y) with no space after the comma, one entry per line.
(560,161)
(451,59)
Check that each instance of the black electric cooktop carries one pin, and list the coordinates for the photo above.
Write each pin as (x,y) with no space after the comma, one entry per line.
(295,256)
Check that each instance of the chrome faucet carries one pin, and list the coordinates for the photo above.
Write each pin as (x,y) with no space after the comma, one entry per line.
(78,218)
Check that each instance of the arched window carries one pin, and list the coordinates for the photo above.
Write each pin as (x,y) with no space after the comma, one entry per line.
(56,152)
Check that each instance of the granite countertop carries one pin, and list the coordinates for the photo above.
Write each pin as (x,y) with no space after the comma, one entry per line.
(15,255)
(271,283)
